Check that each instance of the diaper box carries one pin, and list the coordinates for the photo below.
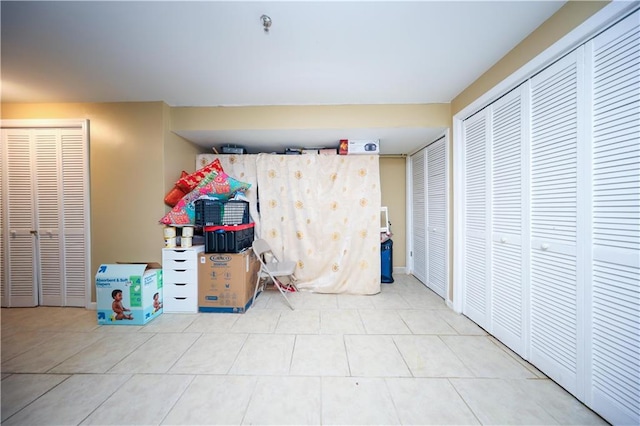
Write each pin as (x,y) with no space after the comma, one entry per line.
(128,293)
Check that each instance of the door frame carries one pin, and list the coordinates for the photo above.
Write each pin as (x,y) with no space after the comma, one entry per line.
(82,124)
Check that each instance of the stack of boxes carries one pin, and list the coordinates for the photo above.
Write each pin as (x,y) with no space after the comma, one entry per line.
(228,268)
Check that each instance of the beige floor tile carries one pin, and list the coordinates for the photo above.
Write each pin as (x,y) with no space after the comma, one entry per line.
(323,355)
(285,401)
(210,354)
(426,322)
(19,342)
(212,323)
(102,355)
(499,402)
(145,399)
(341,321)
(306,300)
(428,356)
(485,359)
(423,299)
(256,321)
(388,300)
(50,353)
(352,301)
(156,355)
(556,401)
(383,322)
(71,401)
(169,323)
(460,323)
(265,354)
(19,390)
(429,402)
(375,356)
(357,401)
(210,400)
(299,322)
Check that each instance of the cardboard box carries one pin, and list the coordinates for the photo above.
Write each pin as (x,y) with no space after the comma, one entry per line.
(140,287)
(327,151)
(226,281)
(357,146)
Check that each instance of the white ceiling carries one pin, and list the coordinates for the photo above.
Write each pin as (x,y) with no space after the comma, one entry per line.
(214,53)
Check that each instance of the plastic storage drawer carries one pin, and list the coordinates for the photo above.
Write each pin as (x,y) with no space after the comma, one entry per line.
(214,212)
(228,238)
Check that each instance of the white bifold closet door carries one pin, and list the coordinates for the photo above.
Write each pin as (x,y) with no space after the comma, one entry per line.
(554,275)
(45,217)
(429,216)
(509,227)
(614,57)
(419,216)
(476,271)
(552,169)
(436,217)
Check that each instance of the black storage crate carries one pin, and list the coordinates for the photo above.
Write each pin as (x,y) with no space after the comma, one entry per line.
(228,238)
(214,212)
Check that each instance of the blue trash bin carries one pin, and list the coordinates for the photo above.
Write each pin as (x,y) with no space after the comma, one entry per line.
(386,258)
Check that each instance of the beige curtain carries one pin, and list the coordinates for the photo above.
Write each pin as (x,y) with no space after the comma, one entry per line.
(323,211)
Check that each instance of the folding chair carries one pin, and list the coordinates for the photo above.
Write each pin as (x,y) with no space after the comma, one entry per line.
(273,269)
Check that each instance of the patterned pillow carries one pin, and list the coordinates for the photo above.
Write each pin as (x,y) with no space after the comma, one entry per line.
(215,185)
(173,196)
(188,183)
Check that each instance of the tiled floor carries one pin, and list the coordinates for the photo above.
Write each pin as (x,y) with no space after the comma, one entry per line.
(399,357)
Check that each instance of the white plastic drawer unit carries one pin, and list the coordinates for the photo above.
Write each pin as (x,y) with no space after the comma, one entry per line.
(180,278)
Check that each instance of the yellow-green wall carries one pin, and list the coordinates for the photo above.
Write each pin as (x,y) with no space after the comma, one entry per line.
(393,180)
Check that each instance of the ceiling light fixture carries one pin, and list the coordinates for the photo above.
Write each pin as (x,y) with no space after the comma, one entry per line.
(266,23)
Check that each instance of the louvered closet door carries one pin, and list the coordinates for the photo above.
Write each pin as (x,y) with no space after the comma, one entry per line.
(615,360)
(75,213)
(418,184)
(554,183)
(436,217)
(47,205)
(509,281)
(21,252)
(475,273)
(3,249)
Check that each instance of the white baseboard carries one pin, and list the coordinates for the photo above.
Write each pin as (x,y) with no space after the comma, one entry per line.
(400,270)
(92,306)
